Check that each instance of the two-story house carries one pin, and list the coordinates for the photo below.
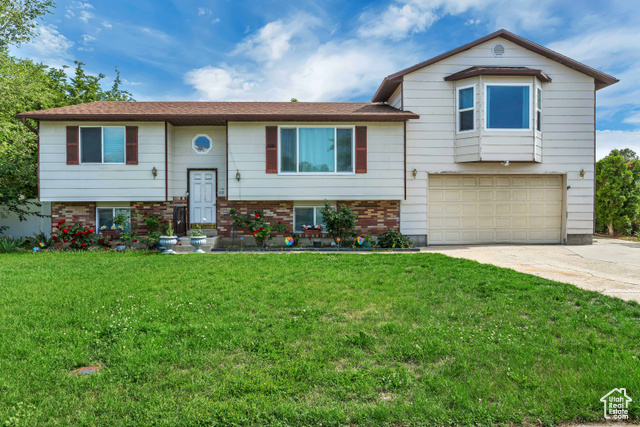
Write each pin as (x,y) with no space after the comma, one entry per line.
(491,142)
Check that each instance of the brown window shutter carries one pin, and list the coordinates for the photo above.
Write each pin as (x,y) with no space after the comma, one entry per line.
(132,145)
(361,149)
(272,149)
(73,152)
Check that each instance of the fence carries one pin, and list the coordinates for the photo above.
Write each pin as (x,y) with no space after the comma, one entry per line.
(33,224)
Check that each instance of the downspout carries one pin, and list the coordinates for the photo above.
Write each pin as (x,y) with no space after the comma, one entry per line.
(31,128)
(166,163)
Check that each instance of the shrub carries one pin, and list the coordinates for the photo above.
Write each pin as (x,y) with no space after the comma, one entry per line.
(79,236)
(9,244)
(340,223)
(262,230)
(393,239)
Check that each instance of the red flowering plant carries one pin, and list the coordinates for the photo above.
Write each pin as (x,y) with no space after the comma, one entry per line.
(157,226)
(77,234)
(261,229)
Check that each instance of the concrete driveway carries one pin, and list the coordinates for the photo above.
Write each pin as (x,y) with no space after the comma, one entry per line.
(609,266)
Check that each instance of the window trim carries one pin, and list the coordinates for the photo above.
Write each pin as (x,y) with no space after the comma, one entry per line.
(113,210)
(193,143)
(102,162)
(538,107)
(458,110)
(335,151)
(486,108)
(314,207)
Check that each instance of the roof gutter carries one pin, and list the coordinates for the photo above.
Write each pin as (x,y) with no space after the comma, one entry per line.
(31,128)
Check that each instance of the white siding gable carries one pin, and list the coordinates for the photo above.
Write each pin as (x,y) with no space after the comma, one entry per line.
(566,148)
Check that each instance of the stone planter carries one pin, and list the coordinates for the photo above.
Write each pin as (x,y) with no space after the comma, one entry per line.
(168,242)
(197,241)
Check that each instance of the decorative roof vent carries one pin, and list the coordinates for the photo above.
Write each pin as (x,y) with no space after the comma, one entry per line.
(498,50)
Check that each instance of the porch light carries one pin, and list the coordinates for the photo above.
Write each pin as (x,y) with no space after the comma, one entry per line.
(415,173)
(238,175)
(154,172)
(582,173)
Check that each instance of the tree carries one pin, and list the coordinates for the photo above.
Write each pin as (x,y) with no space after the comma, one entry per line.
(617,193)
(27,86)
(628,154)
(19,19)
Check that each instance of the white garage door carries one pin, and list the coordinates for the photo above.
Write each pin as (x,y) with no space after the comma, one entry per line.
(494,209)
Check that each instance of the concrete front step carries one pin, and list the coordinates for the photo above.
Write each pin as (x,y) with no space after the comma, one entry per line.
(185,247)
(207,232)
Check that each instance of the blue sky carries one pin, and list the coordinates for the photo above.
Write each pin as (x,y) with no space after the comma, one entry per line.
(330,50)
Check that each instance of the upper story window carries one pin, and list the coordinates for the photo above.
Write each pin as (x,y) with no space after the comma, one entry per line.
(539,109)
(201,143)
(102,144)
(508,106)
(466,108)
(316,149)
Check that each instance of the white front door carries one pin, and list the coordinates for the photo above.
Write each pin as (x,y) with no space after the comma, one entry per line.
(202,196)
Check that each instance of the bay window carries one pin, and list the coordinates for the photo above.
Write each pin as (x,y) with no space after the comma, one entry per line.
(316,149)
(508,106)
(539,109)
(102,144)
(466,108)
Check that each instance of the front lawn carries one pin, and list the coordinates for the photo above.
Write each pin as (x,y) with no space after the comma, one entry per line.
(304,339)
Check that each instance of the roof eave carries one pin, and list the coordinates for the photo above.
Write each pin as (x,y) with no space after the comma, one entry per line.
(402,116)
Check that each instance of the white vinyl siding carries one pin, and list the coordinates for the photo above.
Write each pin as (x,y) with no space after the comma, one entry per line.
(97,181)
(384,179)
(183,156)
(396,98)
(566,148)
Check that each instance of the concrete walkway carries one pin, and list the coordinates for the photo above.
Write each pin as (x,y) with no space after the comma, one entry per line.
(609,266)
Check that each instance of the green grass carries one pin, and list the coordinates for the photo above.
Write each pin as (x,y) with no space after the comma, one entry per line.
(304,339)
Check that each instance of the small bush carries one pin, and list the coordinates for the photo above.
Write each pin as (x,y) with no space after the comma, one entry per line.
(9,244)
(340,223)
(393,239)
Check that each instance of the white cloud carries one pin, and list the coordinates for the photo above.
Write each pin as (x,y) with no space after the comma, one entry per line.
(398,21)
(403,18)
(85,16)
(106,24)
(204,11)
(284,59)
(273,41)
(86,38)
(49,47)
(607,140)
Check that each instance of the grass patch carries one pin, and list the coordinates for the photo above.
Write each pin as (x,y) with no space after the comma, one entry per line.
(304,339)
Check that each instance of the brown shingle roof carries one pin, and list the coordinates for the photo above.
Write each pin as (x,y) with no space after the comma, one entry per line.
(202,113)
(498,71)
(391,82)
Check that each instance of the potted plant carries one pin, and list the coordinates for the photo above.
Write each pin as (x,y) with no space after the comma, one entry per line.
(169,241)
(197,238)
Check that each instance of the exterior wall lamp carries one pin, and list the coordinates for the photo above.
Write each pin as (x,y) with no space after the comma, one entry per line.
(582,173)
(154,172)
(415,173)
(238,176)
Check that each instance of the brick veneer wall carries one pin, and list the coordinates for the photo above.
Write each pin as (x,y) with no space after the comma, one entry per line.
(272,210)
(375,216)
(85,212)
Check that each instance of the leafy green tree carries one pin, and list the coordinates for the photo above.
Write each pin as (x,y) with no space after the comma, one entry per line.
(27,86)
(19,19)
(617,193)
(628,154)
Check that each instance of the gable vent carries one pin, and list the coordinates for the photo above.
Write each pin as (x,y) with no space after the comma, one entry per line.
(498,50)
